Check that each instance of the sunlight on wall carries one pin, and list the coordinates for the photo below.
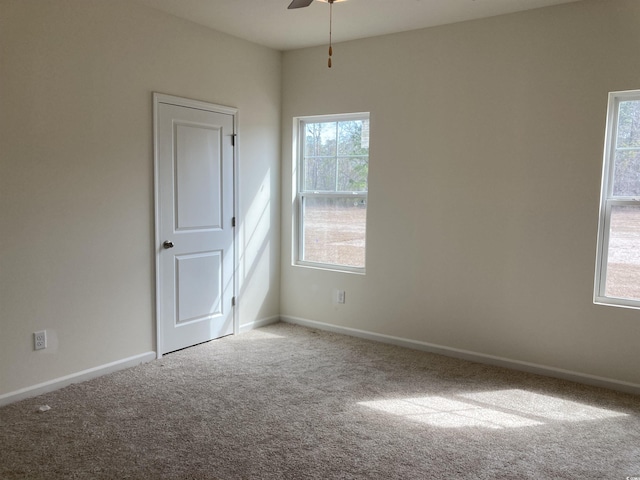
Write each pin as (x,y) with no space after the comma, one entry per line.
(254,240)
(496,410)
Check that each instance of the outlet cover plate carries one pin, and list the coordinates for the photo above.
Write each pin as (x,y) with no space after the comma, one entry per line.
(40,340)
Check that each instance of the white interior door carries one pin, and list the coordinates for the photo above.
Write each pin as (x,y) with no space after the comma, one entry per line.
(194,145)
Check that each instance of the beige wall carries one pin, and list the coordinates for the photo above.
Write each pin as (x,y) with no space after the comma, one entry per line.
(76,163)
(486,151)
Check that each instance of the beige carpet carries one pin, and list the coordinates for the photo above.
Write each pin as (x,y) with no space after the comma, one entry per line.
(286,402)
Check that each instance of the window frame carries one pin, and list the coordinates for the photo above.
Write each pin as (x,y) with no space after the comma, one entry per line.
(300,193)
(608,200)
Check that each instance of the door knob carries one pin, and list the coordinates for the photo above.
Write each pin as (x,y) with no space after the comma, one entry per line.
(167,244)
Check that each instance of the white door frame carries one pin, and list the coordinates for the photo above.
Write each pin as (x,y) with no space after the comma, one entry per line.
(159,98)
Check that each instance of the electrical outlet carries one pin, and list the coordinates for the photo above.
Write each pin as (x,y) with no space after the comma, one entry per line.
(40,340)
(340,296)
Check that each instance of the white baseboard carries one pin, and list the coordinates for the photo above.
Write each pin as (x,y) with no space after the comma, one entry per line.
(472,356)
(259,323)
(78,377)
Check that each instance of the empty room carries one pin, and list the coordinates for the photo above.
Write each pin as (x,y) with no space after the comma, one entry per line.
(361,239)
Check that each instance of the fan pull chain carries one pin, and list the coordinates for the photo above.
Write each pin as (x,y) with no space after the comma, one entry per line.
(330,31)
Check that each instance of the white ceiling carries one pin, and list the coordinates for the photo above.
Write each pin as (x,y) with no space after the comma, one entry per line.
(270,23)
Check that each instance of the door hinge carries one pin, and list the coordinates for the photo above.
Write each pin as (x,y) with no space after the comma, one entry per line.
(233,221)
(233,301)
(233,139)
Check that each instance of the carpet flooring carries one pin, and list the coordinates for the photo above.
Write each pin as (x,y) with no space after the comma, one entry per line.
(288,402)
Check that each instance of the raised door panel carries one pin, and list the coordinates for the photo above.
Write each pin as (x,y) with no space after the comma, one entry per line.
(198,287)
(198,165)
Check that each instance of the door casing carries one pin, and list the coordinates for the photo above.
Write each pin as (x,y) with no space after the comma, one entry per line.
(159,98)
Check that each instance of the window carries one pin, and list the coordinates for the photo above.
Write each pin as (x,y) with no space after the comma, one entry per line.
(618,258)
(331,195)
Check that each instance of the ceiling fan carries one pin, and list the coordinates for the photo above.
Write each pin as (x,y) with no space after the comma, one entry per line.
(300,3)
(306,3)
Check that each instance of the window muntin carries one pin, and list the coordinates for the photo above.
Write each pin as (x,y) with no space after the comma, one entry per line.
(618,257)
(332,189)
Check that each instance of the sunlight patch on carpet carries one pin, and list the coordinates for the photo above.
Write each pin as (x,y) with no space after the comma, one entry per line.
(545,406)
(258,334)
(495,410)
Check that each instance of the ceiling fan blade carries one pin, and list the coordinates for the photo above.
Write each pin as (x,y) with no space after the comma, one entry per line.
(300,3)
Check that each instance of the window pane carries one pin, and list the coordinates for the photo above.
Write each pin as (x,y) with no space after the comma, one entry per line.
(352,174)
(320,174)
(324,171)
(353,138)
(334,230)
(320,139)
(623,259)
(629,124)
(626,176)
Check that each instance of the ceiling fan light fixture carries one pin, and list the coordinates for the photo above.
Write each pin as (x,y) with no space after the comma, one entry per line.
(306,3)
